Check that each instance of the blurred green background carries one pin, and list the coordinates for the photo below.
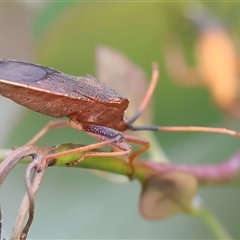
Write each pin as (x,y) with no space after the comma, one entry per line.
(63,35)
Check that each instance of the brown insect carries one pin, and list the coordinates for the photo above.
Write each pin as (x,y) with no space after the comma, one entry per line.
(91,106)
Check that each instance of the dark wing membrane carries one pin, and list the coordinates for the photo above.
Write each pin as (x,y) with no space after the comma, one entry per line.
(46,79)
(22,72)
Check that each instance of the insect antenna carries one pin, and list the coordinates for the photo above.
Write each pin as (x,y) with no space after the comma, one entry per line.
(148,95)
(186,129)
(152,86)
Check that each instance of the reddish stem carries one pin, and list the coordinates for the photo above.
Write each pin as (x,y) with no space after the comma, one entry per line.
(206,174)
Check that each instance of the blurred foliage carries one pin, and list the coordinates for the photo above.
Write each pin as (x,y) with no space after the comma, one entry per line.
(65,36)
(68,43)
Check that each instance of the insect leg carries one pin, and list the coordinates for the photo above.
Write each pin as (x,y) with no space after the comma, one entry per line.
(106,135)
(140,141)
(50,125)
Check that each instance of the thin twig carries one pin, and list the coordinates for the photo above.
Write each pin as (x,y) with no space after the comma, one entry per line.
(10,161)
(32,188)
(28,182)
(8,164)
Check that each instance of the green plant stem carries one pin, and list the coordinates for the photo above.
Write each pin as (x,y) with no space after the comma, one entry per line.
(108,164)
(213,223)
